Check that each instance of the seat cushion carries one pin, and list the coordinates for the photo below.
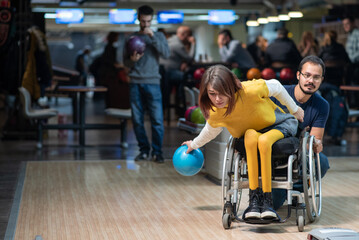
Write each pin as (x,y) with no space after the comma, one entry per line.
(119,113)
(280,149)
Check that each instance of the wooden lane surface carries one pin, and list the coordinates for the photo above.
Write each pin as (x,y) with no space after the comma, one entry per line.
(128,200)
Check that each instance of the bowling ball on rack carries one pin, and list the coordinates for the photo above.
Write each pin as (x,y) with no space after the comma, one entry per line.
(237,72)
(135,43)
(198,73)
(253,73)
(268,73)
(286,74)
(188,113)
(197,116)
(187,164)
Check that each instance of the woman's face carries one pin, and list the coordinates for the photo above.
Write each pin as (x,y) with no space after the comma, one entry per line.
(217,99)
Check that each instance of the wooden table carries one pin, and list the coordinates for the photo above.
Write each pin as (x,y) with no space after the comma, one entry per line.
(80,108)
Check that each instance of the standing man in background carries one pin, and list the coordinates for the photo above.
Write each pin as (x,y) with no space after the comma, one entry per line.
(182,47)
(145,90)
(232,52)
(352,48)
(352,44)
(82,63)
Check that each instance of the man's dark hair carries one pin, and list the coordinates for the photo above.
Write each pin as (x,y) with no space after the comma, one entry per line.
(145,10)
(282,32)
(312,59)
(350,18)
(226,32)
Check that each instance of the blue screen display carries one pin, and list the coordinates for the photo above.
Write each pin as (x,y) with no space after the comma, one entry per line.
(66,16)
(221,17)
(122,16)
(170,17)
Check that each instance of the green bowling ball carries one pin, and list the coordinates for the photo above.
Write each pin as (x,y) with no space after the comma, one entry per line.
(197,116)
(237,72)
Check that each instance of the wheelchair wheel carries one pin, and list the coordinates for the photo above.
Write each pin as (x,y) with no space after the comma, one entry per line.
(300,219)
(231,194)
(226,221)
(312,183)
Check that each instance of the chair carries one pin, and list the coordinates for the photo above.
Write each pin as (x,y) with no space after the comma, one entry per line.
(293,161)
(38,115)
(123,115)
(189,96)
(196,94)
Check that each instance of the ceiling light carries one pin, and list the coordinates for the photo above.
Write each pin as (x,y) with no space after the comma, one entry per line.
(262,20)
(273,16)
(283,16)
(295,12)
(252,21)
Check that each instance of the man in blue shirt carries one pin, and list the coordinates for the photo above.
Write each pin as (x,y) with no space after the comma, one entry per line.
(316,111)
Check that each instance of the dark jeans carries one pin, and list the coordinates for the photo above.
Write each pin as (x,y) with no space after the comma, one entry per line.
(174,78)
(280,195)
(147,97)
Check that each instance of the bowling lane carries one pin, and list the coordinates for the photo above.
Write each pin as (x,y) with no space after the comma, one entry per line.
(144,200)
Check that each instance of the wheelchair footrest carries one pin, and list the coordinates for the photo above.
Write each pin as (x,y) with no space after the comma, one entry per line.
(262,221)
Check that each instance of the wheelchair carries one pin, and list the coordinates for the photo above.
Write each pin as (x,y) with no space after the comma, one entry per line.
(293,161)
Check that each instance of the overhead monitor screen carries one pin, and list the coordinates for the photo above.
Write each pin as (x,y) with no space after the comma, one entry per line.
(122,16)
(170,17)
(66,16)
(221,17)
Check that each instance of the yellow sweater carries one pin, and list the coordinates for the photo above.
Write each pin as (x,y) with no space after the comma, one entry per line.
(253,110)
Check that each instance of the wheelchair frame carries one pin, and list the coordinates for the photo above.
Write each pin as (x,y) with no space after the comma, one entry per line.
(310,201)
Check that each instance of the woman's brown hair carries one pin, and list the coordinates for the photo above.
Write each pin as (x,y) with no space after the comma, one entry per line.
(330,37)
(222,80)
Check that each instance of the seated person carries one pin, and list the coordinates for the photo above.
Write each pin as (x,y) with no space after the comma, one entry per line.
(245,109)
(316,110)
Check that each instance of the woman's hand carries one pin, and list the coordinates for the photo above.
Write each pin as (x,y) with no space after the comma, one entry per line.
(299,114)
(188,143)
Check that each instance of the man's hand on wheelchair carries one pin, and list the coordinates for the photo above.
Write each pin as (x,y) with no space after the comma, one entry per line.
(188,143)
(299,114)
(318,145)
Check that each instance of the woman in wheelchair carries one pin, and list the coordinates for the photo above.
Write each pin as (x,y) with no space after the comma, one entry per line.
(245,109)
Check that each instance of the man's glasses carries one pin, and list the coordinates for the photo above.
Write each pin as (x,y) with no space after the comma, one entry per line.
(315,78)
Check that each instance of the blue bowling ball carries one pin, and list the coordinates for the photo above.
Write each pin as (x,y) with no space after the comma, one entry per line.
(187,164)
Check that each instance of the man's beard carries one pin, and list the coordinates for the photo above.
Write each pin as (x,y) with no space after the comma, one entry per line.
(307,92)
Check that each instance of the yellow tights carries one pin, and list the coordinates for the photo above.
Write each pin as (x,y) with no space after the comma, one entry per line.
(263,142)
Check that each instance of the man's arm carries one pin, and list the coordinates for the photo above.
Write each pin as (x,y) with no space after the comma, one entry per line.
(352,46)
(182,53)
(229,53)
(159,42)
(276,89)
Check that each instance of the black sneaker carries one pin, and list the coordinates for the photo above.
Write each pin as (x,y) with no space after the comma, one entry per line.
(158,158)
(267,208)
(141,156)
(254,209)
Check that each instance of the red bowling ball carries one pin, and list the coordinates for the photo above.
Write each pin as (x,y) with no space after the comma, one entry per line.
(286,74)
(197,75)
(268,73)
